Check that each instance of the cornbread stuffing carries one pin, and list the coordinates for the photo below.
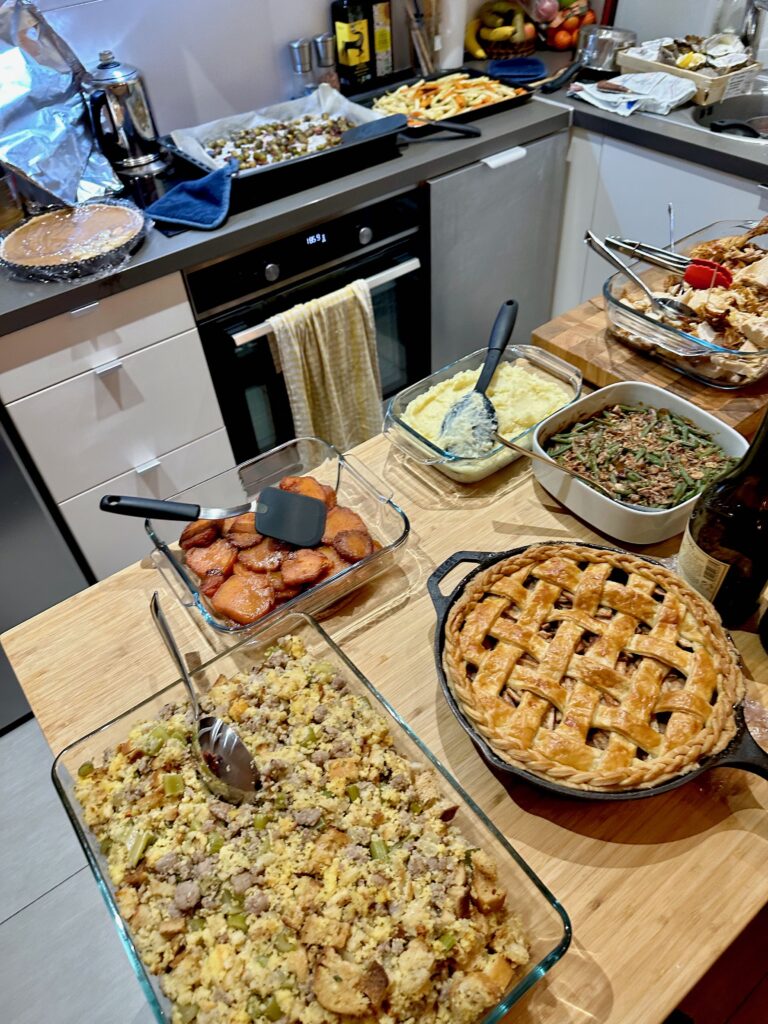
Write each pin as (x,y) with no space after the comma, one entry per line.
(345,893)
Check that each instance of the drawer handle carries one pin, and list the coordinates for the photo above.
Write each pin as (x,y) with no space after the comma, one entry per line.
(147,467)
(508,156)
(110,367)
(83,310)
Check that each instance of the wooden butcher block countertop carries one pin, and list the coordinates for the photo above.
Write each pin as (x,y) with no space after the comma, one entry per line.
(579,336)
(656,889)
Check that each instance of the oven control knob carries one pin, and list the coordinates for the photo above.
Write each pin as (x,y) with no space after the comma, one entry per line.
(272,272)
(365,236)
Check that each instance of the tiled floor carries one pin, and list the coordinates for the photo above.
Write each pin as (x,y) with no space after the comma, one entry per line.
(60,958)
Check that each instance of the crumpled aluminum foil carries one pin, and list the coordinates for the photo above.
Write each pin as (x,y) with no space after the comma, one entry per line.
(45,134)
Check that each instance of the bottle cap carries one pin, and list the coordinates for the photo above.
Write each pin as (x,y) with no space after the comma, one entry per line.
(325,49)
(301,54)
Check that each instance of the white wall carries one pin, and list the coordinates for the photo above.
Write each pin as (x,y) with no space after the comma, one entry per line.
(201,59)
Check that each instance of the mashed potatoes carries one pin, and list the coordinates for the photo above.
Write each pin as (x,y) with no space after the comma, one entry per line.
(521,396)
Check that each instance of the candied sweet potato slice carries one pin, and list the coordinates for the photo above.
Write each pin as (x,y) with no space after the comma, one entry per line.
(341,518)
(282,591)
(266,556)
(353,545)
(335,562)
(244,598)
(199,534)
(211,582)
(218,557)
(303,566)
(330,496)
(306,485)
(241,531)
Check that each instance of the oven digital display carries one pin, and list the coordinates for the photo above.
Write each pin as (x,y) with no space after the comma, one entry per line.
(318,238)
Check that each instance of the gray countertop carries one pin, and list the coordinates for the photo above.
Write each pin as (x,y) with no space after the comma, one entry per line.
(22,304)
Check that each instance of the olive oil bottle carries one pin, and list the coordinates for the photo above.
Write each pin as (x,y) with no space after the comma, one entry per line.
(352,29)
(724,553)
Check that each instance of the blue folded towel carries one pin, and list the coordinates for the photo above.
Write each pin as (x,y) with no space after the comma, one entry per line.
(518,70)
(202,203)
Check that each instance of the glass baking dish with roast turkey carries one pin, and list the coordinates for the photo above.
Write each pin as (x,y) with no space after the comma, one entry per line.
(219,578)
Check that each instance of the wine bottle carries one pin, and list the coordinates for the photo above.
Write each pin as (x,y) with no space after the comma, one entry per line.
(724,553)
(352,27)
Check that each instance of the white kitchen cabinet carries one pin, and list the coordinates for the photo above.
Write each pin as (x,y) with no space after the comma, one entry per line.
(111,542)
(618,188)
(494,228)
(103,423)
(64,346)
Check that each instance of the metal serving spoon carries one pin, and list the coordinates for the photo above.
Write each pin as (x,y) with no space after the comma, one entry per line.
(551,463)
(669,307)
(473,419)
(225,763)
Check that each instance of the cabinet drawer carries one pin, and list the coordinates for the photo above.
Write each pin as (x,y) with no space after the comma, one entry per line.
(101,424)
(66,345)
(111,542)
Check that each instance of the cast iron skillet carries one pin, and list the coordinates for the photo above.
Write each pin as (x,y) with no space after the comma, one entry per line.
(741,752)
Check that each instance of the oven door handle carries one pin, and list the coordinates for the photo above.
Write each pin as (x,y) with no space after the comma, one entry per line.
(374,281)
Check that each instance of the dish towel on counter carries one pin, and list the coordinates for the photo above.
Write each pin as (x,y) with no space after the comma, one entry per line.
(202,203)
(326,350)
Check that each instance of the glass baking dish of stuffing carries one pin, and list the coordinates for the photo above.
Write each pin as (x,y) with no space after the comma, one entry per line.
(356,489)
(725,350)
(185,941)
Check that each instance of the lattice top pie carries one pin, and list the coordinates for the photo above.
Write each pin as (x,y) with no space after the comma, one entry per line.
(595,669)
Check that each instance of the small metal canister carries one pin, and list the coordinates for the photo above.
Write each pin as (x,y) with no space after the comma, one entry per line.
(301,58)
(325,54)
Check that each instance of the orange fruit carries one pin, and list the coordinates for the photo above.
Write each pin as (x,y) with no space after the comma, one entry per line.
(571,24)
(589,18)
(562,40)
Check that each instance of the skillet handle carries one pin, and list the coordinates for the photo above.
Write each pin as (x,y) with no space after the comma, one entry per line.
(439,599)
(748,755)
(564,78)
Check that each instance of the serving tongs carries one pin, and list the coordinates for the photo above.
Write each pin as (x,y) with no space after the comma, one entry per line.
(697,273)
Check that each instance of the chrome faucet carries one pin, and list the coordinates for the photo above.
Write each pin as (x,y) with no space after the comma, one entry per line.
(752,22)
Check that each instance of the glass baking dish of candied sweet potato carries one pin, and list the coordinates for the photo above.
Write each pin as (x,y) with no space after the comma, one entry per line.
(238,580)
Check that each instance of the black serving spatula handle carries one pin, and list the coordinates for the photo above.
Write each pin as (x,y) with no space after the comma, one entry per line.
(123,505)
(389,125)
(502,329)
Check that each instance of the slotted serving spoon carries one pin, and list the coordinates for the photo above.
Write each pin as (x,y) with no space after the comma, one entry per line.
(475,412)
(284,515)
(661,303)
(224,762)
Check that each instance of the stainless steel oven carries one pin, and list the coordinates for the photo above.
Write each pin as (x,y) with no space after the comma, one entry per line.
(234,297)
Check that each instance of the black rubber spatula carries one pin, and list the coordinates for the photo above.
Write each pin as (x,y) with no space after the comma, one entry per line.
(284,515)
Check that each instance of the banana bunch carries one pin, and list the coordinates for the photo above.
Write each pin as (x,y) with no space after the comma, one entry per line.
(497,21)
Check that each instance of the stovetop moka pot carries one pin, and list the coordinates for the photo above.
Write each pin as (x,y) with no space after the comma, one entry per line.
(122,117)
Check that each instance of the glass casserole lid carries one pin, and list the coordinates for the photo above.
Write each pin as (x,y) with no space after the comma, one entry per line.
(700,358)
(356,488)
(545,923)
(534,361)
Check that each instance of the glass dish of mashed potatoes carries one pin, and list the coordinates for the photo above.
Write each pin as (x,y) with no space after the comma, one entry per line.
(528,386)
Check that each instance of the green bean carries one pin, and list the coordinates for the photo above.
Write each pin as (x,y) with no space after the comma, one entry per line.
(654,459)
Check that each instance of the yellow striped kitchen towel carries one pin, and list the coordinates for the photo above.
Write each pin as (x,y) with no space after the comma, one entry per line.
(326,350)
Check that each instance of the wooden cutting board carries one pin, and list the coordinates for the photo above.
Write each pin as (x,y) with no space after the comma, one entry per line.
(579,336)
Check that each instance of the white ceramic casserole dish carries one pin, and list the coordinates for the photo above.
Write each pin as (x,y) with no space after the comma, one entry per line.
(634,526)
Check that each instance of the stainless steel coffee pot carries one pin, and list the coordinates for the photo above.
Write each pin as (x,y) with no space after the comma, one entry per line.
(122,117)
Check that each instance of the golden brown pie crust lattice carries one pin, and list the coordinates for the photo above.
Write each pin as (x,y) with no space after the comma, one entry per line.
(595,669)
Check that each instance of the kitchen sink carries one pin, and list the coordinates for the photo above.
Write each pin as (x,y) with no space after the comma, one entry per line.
(738,108)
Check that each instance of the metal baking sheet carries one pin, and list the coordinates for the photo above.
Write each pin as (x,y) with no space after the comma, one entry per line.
(473,114)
